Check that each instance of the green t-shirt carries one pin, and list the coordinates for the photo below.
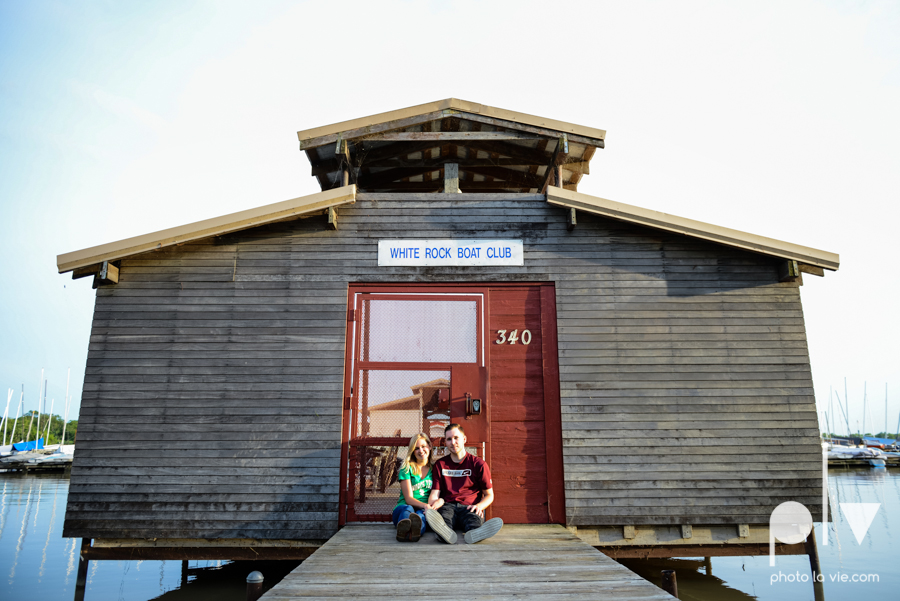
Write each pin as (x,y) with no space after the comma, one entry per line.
(421,487)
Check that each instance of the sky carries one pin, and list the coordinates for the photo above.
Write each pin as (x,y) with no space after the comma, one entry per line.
(776,118)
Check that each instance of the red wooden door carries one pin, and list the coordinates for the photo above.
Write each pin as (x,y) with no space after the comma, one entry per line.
(526,439)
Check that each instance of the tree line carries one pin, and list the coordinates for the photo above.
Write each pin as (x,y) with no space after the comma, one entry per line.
(30,421)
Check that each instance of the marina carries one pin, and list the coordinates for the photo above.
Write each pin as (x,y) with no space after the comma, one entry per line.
(57,458)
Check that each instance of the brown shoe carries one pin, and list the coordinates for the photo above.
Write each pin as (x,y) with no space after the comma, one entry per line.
(415,527)
(403,530)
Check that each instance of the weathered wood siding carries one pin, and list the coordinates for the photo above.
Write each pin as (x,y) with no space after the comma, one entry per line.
(212,398)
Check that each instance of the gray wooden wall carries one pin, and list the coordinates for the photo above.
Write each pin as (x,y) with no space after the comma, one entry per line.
(212,399)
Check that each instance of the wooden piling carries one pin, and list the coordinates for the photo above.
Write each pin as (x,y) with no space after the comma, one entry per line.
(669,583)
(81,577)
(814,566)
(254,586)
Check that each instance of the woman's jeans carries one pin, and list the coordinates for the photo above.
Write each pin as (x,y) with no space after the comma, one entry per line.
(402,512)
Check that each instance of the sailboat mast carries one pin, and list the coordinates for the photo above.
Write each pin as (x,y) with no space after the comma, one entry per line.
(18,408)
(831,407)
(49,421)
(31,423)
(843,412)
(864,410)
(847,400)
(62,440)
(41,409)
(5,422)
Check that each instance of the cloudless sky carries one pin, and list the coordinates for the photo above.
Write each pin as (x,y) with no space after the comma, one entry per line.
(777,118)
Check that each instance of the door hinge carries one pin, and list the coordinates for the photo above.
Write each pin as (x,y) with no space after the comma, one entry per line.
(346,403)
(351,314)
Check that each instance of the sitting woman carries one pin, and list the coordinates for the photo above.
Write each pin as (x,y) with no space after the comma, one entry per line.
(415,485)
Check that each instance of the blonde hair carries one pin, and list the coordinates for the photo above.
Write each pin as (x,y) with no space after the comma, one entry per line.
(411,453)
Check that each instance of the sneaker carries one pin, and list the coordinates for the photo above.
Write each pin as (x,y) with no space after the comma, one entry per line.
(415,527)
(440,527)
(487,530)
(403,528)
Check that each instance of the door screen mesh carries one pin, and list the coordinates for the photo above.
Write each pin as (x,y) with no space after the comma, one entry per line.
(390,405)
(419,331)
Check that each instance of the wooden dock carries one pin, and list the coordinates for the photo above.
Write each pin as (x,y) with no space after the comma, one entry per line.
(521,562)
(889,462)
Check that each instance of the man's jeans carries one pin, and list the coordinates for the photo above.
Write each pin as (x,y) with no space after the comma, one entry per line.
(402,512)
(457,517)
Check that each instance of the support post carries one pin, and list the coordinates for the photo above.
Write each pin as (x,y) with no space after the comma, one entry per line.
(342,155)
(669,584)
(451,178)
(707,563)
(814,566)
(184,573)
(254,586)
(560,155)
(81,577)
(571,220)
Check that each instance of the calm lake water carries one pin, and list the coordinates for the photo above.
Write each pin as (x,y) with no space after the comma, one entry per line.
(36,561)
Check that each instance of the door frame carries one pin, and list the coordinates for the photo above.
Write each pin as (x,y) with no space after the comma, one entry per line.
(352,364)
(556,505)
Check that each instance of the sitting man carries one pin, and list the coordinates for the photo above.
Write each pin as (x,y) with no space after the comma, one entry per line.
(458,480)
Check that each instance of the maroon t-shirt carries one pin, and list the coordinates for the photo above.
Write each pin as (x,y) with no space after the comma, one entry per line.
(461,482)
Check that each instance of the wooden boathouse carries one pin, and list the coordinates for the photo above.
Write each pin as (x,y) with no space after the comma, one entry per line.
(640,378)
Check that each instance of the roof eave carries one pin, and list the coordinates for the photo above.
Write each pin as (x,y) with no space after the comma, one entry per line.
(208,227)
(325,134)
(693,228)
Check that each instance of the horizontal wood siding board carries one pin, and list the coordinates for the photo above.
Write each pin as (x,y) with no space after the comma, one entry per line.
(214,377)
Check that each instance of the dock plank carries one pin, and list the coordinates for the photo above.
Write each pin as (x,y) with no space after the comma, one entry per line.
(521,562)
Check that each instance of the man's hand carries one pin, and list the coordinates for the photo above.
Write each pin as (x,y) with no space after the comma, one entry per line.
(437,504)
(476,510)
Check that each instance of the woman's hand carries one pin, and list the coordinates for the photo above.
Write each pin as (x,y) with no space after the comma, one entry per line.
(435,505)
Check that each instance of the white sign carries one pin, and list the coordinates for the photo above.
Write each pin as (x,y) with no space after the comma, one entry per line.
(450,252)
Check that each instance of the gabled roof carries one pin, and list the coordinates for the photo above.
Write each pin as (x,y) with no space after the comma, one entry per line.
(696,229)
(491,149)
(216,226)
(419,149)
(316,203)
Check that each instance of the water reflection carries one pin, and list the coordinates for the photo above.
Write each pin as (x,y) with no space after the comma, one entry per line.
(874,560)
(695,582)
(41,562)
